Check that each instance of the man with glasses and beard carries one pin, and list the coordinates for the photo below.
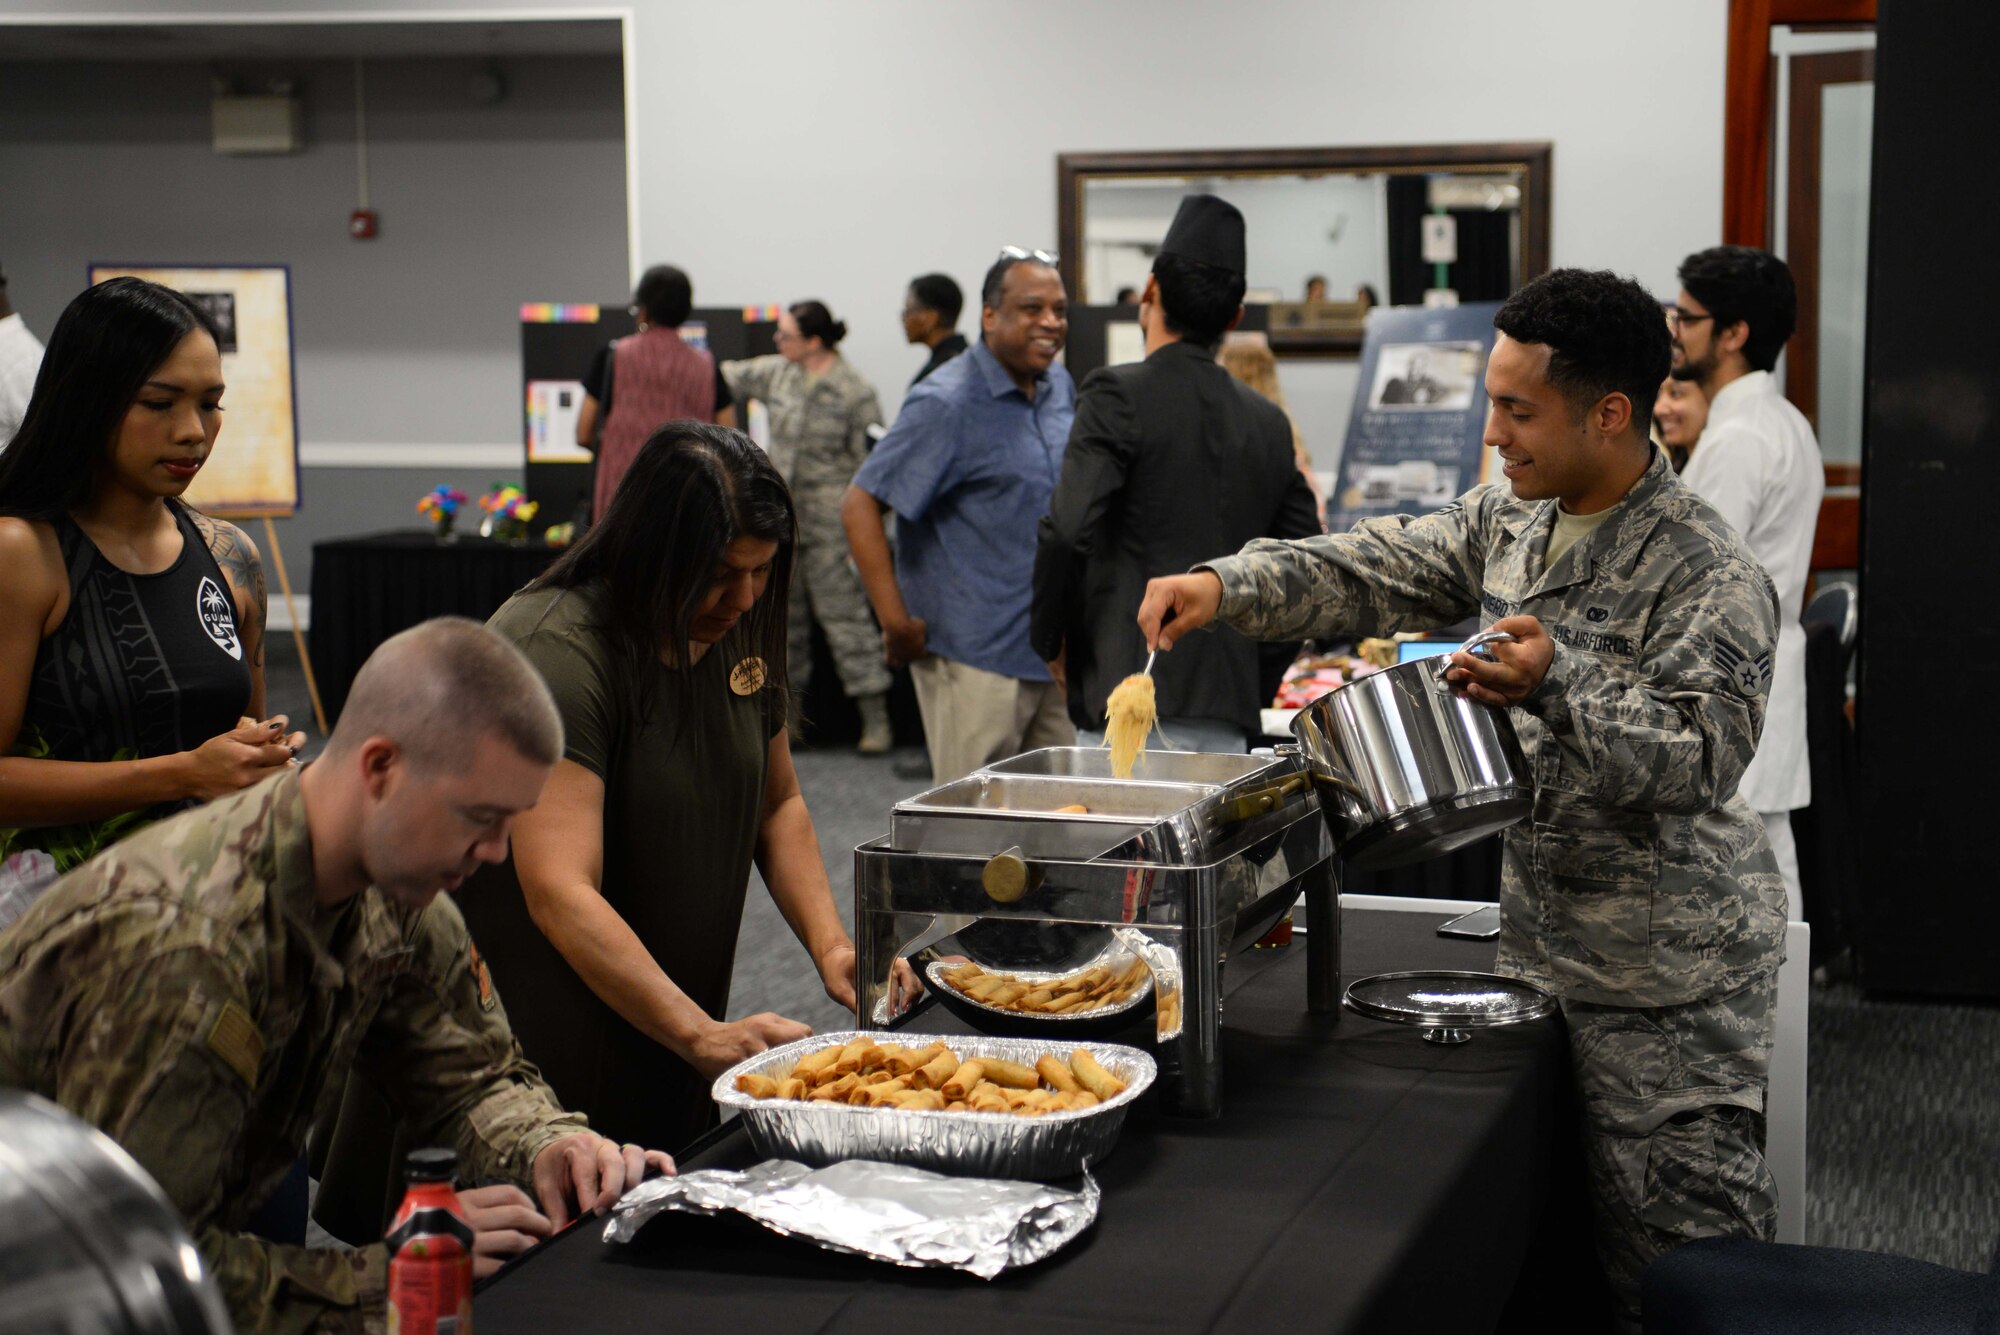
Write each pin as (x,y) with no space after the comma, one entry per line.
(1759,464)
(968,468)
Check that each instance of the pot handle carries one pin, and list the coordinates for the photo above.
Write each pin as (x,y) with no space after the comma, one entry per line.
(1474,645)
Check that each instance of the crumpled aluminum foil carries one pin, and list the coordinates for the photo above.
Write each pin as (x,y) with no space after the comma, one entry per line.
(904,1215)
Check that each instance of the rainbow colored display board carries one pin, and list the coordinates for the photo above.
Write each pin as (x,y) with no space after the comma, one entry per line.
(559,312)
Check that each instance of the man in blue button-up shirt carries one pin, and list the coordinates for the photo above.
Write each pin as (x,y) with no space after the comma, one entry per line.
(968,468)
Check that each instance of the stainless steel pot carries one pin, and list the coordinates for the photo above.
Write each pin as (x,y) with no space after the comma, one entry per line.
(1408,768)
(88,1242)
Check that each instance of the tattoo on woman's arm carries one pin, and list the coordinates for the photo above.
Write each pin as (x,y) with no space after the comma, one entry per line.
(240,562)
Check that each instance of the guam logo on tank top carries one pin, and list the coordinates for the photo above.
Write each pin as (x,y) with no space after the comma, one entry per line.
(212,605)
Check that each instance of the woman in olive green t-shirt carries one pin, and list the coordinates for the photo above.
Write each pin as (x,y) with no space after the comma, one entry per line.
(631,871)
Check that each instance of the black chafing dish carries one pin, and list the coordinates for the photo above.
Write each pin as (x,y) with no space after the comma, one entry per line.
(1194,857)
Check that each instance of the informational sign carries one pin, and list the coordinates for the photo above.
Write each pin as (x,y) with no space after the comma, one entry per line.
(553,406)
(1440,238)
(254,469)
(1124,341)
(1413,438)
(559,343)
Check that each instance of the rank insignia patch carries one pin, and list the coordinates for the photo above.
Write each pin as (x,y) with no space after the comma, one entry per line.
(1751,675)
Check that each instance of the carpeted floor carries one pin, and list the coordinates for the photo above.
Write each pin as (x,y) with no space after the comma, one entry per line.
(1903,1132)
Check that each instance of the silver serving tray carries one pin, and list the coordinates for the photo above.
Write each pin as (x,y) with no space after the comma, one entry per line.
(978,1012)
(1057,1144)
(1013,803)
(1198,769)
(983,814)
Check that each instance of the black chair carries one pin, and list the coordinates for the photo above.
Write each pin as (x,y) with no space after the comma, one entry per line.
(1733,1286)
(1838,604)
(1829,853)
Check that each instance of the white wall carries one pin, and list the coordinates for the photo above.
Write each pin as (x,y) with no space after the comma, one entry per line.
(903,135)
(792,148)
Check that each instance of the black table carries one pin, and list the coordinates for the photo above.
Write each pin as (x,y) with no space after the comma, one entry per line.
(1358,1179)
(365,589)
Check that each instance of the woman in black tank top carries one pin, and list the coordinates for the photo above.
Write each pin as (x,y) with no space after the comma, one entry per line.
(131,626)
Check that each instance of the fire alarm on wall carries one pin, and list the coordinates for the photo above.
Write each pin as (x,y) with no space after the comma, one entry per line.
(361,225)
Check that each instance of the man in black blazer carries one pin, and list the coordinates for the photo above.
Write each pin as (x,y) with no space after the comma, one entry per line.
(1171,462)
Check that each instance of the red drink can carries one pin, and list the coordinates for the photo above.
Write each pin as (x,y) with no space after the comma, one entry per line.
(430,1251)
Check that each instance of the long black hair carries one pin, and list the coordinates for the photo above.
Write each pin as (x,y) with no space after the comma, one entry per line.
(108,341)
(693,489)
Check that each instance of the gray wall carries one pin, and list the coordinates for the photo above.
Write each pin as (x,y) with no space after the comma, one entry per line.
(411,339)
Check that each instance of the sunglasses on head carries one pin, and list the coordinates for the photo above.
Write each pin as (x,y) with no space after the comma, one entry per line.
(1039,256)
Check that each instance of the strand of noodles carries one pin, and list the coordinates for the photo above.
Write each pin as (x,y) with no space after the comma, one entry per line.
(1129,715)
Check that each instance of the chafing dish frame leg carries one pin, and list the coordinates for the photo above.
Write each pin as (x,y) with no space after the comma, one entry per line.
(1186,964)
(1323,939)
(880,936)
(1195,1089)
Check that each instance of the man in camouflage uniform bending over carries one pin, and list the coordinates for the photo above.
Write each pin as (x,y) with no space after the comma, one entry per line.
(1640,891)
(193,990)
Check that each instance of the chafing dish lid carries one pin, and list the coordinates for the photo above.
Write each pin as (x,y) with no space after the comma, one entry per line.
(1448,998)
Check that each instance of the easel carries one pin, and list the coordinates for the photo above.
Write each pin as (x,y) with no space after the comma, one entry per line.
(277,555)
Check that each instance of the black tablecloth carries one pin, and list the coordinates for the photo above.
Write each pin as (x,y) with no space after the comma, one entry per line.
(366,589)
(1472,872)
(1358,1179)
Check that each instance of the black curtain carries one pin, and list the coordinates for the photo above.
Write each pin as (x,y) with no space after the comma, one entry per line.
(1485,267)
(1931,460)
(1409,201)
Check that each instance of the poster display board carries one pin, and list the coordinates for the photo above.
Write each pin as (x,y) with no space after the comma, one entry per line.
(254,470)
(1419,411)
(559,340)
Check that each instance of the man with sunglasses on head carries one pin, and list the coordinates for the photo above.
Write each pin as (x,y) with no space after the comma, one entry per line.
(1171,461)
(968,468)
(1758,463)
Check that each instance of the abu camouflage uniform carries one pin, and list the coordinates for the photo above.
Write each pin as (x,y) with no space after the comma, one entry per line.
(819,437)
(1641,891)
(183,993)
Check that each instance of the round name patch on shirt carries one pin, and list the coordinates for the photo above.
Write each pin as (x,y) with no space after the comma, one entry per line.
(212,607)
(747,677)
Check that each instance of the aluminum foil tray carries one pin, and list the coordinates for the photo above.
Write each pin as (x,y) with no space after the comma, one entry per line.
(1001,1020)
(1053,1145)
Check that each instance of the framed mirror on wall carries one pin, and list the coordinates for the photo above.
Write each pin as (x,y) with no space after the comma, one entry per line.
(1332,231)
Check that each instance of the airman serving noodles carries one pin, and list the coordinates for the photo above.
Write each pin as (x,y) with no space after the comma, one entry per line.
(1642,891)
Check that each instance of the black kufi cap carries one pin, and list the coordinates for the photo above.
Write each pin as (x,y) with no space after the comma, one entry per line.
(1209,230)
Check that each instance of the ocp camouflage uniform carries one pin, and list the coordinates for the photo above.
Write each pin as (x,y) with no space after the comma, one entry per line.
(1641,891)
(819,436)
(183,993)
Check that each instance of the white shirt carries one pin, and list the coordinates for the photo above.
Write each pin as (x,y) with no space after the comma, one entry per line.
(1757,463)
(20,358)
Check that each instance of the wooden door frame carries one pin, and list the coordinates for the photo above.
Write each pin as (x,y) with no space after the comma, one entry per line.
(1811,74)
(1746,120)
